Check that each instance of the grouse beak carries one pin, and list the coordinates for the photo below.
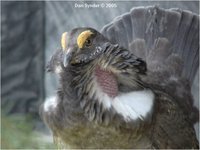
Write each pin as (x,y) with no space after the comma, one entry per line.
(66,51)
(67,57)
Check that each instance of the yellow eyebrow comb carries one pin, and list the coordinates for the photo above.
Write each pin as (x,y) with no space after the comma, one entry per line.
(83,37)
(63,40)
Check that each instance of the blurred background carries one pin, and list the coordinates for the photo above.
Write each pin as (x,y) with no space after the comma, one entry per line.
(30,32)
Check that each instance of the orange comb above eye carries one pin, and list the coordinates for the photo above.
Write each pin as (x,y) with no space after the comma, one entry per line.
(64,41)
(83,37)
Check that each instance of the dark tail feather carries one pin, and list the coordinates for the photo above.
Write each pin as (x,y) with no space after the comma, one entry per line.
(186,43)
(176,29)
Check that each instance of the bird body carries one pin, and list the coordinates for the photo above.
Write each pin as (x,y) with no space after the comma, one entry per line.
(117,95)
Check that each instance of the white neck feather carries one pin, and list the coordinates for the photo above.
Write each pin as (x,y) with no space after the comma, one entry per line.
(50,103)
(132,106)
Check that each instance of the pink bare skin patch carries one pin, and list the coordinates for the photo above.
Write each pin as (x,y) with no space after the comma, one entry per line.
(107,82)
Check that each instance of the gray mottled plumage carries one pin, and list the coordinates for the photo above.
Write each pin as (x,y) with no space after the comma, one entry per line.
(147,48)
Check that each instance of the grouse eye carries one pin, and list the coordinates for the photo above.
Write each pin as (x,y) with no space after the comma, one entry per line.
(88,43)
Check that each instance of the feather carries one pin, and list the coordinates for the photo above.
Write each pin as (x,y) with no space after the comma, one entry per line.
(179,28)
